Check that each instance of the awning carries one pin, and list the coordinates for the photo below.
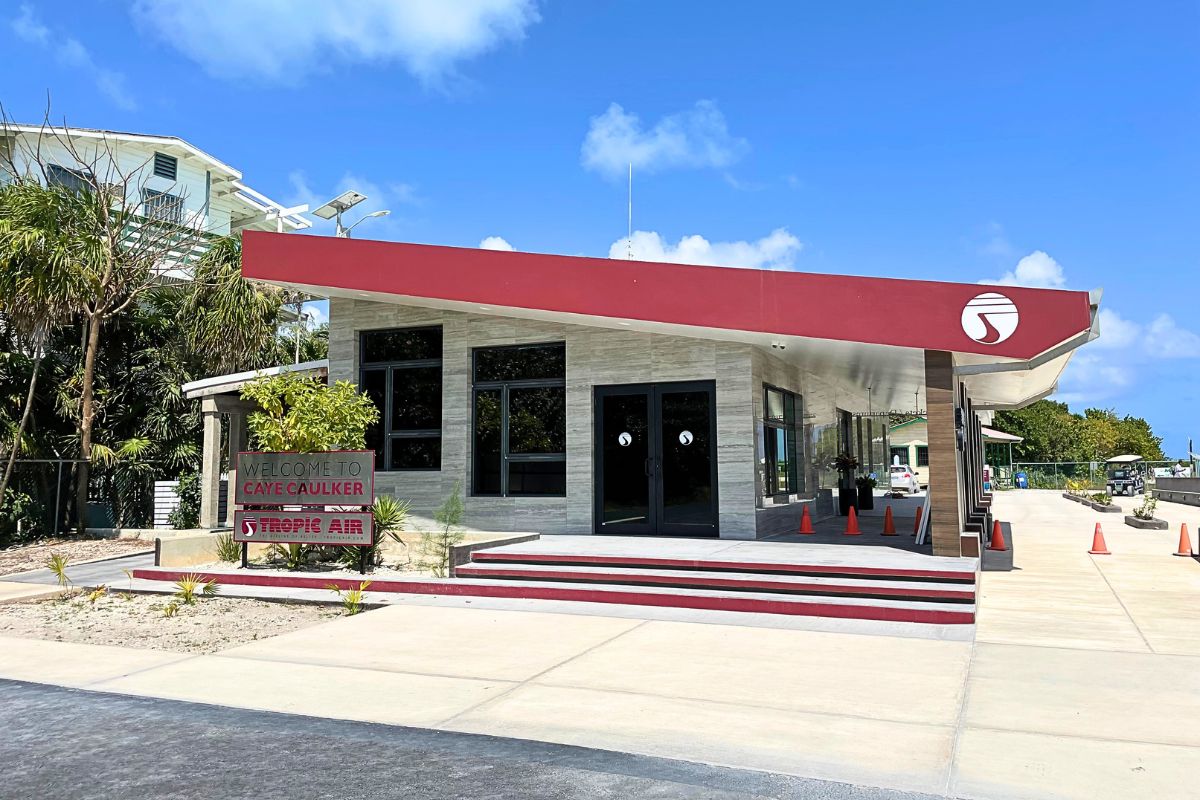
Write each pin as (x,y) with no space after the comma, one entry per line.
(993,435)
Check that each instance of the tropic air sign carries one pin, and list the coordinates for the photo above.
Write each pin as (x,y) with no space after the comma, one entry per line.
(297,489)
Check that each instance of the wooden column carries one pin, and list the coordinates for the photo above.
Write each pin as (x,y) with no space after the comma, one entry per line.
(945,500)
(210,466)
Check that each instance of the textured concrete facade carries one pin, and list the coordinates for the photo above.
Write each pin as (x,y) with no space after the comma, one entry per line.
(595,357)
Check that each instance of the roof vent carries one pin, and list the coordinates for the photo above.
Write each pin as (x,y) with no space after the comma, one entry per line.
(166,166)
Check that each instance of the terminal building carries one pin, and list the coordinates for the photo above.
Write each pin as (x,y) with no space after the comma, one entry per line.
(570,395)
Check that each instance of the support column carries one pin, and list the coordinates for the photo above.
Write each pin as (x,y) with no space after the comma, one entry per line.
(210,466)
(945,509)
(237,443)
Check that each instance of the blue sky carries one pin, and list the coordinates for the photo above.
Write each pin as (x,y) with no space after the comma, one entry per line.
(1048,144)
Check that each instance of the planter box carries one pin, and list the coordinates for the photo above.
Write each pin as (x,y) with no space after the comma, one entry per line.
(1147,524)
(1105,509)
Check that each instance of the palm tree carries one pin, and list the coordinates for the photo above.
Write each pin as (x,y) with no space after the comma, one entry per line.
(40,289)
(231,323)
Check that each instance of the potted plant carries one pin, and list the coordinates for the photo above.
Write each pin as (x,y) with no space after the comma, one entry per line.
(1143,516)
(846,464)
(865,485)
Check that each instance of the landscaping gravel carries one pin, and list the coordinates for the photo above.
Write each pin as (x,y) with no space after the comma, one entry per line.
(127,620)
(33,556)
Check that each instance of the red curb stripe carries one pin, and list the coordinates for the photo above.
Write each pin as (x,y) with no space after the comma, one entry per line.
(695,582)
(725,566)
(463,589)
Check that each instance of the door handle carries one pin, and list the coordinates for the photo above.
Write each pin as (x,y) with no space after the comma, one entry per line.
(649,467)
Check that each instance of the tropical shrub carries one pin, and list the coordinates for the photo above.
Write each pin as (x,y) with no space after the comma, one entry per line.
(390,516)
(187,514)
(304,415)
(1146,509)
(227,549)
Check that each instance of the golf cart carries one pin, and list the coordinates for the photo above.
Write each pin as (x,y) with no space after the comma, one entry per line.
(1125,475)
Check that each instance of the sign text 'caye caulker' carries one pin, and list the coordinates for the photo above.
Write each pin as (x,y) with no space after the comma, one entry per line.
(341,478)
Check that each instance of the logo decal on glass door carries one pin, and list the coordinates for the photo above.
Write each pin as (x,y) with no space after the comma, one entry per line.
(685,438)
(624,439)
(990,318)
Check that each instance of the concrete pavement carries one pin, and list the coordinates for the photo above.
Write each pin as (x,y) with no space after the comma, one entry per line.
(1079,683)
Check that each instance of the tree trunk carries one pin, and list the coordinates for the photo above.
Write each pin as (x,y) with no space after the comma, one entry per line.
(12,456)
(87,410)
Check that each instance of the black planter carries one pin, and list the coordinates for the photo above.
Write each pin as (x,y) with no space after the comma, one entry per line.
(866,498)
(847,497)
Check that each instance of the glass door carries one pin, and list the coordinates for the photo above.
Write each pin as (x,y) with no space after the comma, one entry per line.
(656,467)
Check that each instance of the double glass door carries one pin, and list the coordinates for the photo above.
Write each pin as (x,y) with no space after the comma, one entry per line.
(656,465)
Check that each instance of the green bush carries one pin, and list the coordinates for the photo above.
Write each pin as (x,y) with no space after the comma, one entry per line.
(437,546)
(227,549)
(187,514)
(19,510)
(390,515)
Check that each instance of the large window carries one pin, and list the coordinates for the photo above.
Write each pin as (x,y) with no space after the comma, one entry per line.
(162,206)
(899,455)
(520,421)
(402,374)
(782,473)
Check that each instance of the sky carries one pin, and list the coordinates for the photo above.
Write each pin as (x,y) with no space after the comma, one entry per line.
(1043,144)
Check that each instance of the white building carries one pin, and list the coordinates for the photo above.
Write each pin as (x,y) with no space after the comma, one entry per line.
(166,178)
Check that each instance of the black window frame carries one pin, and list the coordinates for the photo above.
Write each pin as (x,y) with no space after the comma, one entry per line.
(390,369)
(922,451)
(794,426)
(165,166)
(74,180)
(504,387)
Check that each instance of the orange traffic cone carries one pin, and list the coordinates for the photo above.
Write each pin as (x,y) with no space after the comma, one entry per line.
(997,542)
(889,524)
(806,521)
(852,524)
(1185,542)
(1099,548)
(917,521)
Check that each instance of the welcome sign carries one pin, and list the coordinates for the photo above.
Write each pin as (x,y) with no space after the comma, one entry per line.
(335,478)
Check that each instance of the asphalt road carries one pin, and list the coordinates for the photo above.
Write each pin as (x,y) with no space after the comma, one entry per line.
(66,743)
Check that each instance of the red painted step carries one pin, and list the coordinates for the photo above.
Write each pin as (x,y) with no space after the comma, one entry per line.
(698,565)
(679,598)
(743,583)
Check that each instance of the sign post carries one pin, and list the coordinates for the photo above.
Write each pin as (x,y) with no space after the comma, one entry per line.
(305,498)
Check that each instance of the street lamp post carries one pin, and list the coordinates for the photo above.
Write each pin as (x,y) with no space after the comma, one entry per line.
(341,204)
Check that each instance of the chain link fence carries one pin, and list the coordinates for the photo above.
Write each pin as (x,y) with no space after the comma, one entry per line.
(1093,474)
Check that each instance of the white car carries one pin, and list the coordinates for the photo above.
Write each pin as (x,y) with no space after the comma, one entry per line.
(904,479)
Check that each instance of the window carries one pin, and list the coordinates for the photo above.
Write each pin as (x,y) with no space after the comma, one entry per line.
(899,455)
(520,425)
(781,457)
(162,206)
(922,456)
(402,374)
(166,166)
(74,179)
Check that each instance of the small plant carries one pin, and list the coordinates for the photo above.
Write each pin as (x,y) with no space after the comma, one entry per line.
(96,594)
(390,516)
(57,564)
(128,593)
(845,463)
(1102,498)
(294,556)
(191,585)
(227,549)
(866,483)
(171,608)
(187,513)
(437,547)
(1146,509)
(352,599)
(1076,486)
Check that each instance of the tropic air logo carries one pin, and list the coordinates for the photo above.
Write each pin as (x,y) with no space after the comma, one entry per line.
(990,318)
(249,526)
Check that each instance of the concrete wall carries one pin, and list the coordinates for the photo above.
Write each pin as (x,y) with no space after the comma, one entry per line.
(595,356)
(1178,490)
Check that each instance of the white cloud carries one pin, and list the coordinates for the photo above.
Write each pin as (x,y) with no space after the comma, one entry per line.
(495,243)
(281,41)
(1116,332)
(28,27)
(776,250)
(380,196)
(72,54)
(995,241)
(1165,339)
(696,138)
(1037,269)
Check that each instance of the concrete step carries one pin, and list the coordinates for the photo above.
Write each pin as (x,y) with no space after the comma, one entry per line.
(514,554)
(791,584)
